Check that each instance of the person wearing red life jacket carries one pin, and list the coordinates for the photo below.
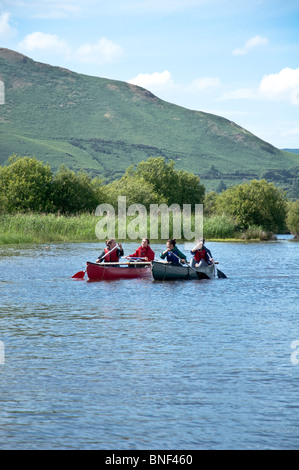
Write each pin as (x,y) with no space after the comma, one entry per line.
(144,251)
(201,256)
(111,253)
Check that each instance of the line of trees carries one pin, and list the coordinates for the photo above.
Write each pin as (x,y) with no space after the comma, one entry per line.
(26,184)
(255,204)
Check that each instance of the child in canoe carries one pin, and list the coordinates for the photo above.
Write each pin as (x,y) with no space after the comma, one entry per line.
(144,251)
(173,254)
(201,256)
(111,253)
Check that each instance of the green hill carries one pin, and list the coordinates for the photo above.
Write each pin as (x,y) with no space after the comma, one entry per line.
(292,150)
(103,126)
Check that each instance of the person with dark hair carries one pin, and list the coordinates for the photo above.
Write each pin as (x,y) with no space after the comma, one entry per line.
(203,240)
(111,253)
(201,256)
(172,253)
(144,251)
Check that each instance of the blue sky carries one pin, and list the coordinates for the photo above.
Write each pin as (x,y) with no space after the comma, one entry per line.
(237,59)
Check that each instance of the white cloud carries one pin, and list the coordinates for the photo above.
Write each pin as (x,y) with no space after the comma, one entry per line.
(159,81)
(6,30)
(45,42)
(153,80)
(282,86)
(101,52)
(256,41)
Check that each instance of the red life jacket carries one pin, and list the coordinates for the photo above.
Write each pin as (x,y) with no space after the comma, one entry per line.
(199,255)
(146,252)
(112,257)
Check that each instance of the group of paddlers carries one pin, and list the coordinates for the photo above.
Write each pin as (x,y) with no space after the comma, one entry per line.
(201,255)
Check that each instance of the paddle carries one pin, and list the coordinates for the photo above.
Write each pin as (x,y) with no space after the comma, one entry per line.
(198,273)
(81,274)
(122,263)
(201,275)
(220,274)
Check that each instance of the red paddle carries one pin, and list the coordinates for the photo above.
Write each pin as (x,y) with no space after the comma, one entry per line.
(81,274)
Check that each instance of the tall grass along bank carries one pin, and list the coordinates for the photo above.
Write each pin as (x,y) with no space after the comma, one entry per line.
(47,228)
(38,228)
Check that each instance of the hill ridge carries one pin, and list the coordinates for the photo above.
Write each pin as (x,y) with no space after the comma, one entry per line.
(104,125)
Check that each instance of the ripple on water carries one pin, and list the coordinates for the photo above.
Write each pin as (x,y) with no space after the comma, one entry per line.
(141,364)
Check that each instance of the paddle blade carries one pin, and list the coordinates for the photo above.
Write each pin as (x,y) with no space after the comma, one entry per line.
(221,274)
(202,275)
(79,275)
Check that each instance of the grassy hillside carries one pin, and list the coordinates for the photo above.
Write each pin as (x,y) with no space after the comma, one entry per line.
(292,150)
(104,126)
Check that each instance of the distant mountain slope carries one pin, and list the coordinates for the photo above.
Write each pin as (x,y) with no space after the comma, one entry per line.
(292,150)
(105,125)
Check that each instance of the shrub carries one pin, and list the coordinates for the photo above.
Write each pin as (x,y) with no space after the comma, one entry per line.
(75,192)
(219,226)
(25,185)
(293,218)
(256,203)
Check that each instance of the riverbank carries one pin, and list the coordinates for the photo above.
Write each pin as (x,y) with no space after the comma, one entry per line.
(51,228)
(46,228)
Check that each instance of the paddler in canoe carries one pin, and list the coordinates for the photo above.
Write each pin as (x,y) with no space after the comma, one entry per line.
(173,254)
(111,253)
(144,251)
(201,255)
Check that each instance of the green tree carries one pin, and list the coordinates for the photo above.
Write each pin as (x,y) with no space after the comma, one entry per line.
(25,184)
(294,190)
(221,186)
(75,192)
(188,189)
(255,203)
(176,187)
(136,190)
(209,203)
(293,218)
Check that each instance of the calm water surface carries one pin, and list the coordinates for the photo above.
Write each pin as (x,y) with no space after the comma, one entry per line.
(138,364)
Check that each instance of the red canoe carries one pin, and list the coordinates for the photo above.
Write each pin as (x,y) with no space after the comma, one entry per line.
(111,271)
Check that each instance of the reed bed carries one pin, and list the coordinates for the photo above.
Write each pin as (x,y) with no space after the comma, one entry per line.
(47,228)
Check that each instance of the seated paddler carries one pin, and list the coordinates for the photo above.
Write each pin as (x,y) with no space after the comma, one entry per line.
(111,253)
(201,256)
(144,251)
(172,253)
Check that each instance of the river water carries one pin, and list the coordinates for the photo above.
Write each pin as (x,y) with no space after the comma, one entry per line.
(139,364)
